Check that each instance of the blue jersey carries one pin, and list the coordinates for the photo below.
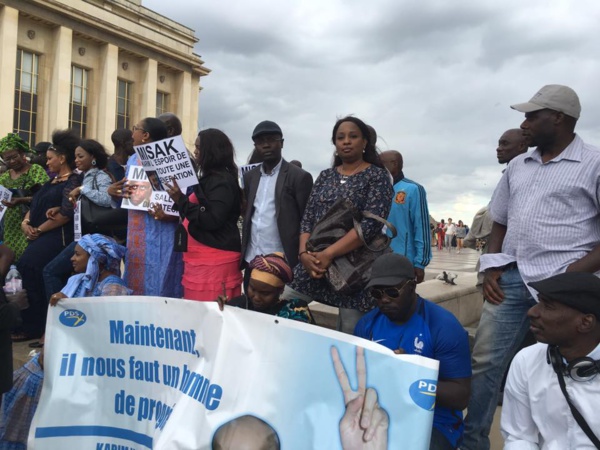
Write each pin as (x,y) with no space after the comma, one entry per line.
(432,332)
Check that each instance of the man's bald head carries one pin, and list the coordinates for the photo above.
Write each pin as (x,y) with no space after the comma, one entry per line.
(392,160)
(245,433)
(174,127)
(511,144)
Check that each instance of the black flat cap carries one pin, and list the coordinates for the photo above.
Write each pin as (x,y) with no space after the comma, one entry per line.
(266,127)
(579,290)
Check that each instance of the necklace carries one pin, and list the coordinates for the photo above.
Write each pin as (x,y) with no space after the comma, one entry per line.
(344,178)
(58,178)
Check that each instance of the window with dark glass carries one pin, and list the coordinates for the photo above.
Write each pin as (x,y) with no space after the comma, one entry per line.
(124,91)
(26,96)
(162,103)
(78,105)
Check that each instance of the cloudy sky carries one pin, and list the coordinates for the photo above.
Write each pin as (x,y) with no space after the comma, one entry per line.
(434,77)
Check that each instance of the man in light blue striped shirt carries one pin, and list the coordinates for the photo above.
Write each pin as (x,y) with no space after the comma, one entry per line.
(546,211)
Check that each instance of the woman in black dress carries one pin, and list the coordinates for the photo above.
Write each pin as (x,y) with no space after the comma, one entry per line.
(48,226)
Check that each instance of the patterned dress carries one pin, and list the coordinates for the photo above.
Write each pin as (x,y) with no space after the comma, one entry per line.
(369,190)
(151,265)
(13,235)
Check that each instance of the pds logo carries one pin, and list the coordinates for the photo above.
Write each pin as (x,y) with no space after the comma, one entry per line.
(72,318)
(423,393)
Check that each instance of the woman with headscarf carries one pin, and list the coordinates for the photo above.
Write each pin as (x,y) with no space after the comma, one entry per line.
(48,226)
(97,266)
(22,178)
(269,274)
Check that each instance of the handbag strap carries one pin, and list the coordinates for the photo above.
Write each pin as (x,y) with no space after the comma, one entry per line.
(576,414)
(359,231)
(95,181)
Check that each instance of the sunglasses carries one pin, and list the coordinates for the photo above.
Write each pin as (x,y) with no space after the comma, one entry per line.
(390,292)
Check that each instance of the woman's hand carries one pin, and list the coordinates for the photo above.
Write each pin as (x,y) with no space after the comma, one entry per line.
(173,190)
(74,194)
(325,259)
(312,265)
(222,301)
(52,212)
(30,233)
(157,212)
(14,202)
(56,297)
(118,189)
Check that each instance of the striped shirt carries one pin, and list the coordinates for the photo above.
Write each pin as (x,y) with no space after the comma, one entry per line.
(551,211)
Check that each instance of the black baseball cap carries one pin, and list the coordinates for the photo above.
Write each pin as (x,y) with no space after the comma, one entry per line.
(578,290)
(391,269)
(266,127)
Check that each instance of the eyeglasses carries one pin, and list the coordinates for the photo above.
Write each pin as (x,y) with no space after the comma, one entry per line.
(391,292)
(135,128)
(260,140)
(139,187)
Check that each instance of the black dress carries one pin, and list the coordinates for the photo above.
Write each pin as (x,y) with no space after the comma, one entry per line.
(43,250)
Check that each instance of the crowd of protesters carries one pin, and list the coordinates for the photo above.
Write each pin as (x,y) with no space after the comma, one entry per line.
(277,265)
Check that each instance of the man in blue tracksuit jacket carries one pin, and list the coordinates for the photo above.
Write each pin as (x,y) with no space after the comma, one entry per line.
(410,215)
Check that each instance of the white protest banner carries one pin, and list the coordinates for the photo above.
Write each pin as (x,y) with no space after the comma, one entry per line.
(5,196)
(161,373)
(167,159)
(243,169)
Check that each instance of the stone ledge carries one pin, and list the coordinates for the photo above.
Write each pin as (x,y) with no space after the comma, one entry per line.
(463,300)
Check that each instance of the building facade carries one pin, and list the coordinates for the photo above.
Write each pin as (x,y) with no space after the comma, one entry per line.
(95,66)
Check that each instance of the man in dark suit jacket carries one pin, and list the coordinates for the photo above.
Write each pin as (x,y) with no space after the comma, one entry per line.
(276,194)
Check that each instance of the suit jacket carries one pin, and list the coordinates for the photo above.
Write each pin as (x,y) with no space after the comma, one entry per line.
(292,190)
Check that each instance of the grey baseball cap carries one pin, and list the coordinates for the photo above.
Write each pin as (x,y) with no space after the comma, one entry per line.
(553,96)
(391,269)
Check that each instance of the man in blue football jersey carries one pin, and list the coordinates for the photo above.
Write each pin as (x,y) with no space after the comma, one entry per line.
(406,323)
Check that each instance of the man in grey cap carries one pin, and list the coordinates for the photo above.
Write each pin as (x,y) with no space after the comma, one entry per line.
(406,323)
(546,211)
(277,193)
(566,322)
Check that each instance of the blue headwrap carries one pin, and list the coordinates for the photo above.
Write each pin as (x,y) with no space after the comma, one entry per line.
(103,251)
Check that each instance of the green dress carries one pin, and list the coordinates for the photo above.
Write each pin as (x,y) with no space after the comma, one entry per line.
(13,235)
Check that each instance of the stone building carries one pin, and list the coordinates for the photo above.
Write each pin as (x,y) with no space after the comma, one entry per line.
(93,65)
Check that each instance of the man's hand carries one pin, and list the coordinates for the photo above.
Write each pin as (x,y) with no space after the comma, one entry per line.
(419,274)
(491,289)
(365,424)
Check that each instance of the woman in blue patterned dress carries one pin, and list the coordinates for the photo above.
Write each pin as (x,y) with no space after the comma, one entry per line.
(359,176)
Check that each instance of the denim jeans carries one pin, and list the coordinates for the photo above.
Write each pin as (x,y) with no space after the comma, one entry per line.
(57,272)
(500,333)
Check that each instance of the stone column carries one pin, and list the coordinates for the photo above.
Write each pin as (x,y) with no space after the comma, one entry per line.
(183,107)
(147,90)
(59,99)
(9,25)
(107,95)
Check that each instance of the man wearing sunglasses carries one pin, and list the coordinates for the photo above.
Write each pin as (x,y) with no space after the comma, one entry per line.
(406,323)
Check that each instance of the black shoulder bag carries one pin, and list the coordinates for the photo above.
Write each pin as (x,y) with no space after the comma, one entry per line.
(349,273)
(101,219)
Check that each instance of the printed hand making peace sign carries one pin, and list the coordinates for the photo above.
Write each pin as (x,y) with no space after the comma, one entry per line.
(365,424)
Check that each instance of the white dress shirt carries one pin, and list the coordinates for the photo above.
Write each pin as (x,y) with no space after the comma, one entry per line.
(535,414)
(264,234)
